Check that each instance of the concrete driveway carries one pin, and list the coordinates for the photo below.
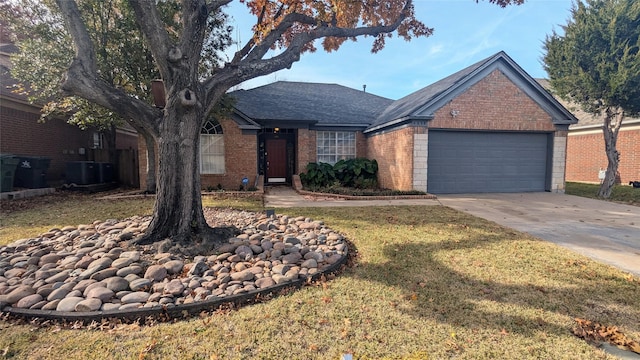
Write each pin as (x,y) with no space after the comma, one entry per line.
(602,230)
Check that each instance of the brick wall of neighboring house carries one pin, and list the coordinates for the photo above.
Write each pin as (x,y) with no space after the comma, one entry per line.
(393,151)
(126,140)
(240,159)
(22,134)
(494,103)
(586,154)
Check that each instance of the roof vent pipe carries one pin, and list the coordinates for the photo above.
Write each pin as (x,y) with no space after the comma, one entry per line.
(364,87)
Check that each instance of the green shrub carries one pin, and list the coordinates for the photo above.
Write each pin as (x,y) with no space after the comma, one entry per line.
(318,175)
(357,173)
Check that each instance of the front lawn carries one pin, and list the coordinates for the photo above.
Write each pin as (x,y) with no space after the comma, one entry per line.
(430,283)
(621,193)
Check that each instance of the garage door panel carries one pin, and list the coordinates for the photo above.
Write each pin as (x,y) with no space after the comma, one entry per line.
(474,162)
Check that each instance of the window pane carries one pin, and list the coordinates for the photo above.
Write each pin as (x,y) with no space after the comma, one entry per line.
(211,154)
(335,145)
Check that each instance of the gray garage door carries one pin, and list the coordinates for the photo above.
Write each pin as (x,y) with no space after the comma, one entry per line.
(476,162)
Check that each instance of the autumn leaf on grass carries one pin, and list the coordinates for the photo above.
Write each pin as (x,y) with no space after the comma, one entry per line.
(313,347)
(345,330)
(326,299)
(147,350)
(504,332)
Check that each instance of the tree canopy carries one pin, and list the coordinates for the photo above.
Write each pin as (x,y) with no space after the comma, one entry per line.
(595,63)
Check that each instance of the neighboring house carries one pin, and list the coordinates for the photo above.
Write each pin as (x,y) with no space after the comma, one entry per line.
(487,128)
(22,132)
(586,155)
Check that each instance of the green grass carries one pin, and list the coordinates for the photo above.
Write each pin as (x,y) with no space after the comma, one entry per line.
(430,283)
(621,193)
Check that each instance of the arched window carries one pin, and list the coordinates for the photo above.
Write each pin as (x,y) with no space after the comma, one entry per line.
(211,148)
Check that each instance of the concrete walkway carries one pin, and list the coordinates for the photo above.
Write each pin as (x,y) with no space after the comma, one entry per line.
(604,231)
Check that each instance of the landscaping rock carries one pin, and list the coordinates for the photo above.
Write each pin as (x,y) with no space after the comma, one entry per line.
(90,267)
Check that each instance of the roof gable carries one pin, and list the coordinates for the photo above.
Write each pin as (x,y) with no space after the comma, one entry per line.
(423,103)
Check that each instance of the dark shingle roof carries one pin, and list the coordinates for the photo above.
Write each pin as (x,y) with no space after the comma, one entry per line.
(324,104)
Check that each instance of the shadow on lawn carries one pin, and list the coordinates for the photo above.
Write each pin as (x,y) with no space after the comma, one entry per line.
(451,294)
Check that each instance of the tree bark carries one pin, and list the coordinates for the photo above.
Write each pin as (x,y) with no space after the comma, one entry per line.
(612,122)
(178,213)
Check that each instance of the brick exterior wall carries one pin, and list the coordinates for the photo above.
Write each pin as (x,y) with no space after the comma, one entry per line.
(586,155)
(239,154)
(494,103)
(361,145)
(22,134)
(393,151)
(306,151)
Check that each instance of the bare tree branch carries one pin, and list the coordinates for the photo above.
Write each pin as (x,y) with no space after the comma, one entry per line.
(82,78)
(252,65)
(153,29)
(213,6)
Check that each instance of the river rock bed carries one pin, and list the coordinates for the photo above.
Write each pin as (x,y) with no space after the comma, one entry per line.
(94,267)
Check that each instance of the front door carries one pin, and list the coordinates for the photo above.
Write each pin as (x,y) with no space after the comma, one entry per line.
(276,158)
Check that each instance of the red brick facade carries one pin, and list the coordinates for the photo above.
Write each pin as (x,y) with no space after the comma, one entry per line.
(240,157)
(22,134)
(494,103)
(586,155)
(393,151)
(306,149)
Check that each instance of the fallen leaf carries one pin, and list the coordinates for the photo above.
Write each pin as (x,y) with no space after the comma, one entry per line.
(504,332)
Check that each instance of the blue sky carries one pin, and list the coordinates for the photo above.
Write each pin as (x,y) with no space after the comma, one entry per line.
(465,32)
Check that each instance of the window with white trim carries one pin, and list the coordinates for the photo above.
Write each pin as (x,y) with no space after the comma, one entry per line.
(333,146)
(211,148)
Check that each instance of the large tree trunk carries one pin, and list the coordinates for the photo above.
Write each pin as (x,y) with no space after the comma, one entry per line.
(612,122)
(178,209)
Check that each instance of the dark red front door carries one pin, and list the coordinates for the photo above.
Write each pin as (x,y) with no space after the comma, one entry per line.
(276,160)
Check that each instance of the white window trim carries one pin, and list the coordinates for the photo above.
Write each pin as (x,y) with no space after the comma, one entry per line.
(340,150)
(212,130)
